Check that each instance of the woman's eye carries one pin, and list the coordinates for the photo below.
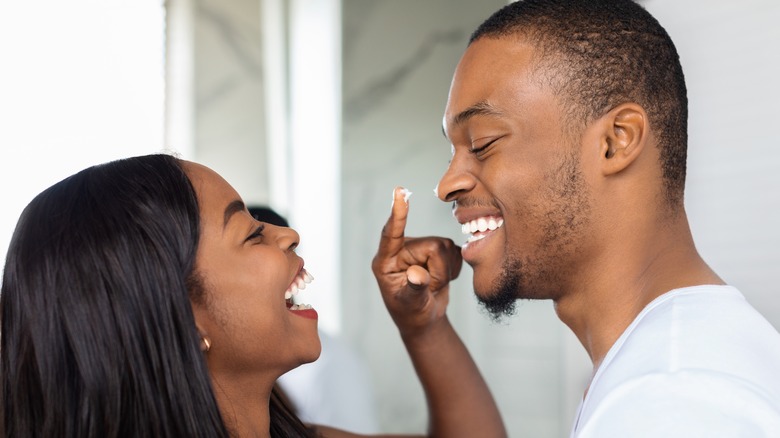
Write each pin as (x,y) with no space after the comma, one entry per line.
(257,234)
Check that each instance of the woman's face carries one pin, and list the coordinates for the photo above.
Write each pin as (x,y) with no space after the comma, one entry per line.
(247,268)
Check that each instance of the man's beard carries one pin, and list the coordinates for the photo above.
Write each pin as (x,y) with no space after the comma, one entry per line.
(502,300)
(543,276)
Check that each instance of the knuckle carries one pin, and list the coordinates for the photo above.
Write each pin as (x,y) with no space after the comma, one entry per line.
(376,264)
(443,245)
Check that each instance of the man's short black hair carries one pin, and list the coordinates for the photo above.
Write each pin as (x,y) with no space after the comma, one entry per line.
(597,54)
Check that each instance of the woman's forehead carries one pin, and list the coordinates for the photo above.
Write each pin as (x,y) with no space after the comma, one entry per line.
(213,192)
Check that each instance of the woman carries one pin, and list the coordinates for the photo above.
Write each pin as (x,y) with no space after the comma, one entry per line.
(140,298)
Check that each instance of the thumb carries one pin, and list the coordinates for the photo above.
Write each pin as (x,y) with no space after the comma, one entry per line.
(417,277)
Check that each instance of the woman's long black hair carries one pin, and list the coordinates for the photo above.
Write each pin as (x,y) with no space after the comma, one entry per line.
(98,336)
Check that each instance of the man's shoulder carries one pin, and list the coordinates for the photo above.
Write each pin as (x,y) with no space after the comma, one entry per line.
(704,345)
(682,404)
(705,328)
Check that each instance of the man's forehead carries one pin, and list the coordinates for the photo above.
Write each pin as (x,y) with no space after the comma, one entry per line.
(487,82)
(487,65)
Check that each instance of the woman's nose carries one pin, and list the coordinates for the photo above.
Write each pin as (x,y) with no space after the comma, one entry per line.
(286,239)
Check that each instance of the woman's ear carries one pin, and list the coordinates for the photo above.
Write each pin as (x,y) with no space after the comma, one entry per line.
(205,344)
(199,313)
(205,340)
(623,137)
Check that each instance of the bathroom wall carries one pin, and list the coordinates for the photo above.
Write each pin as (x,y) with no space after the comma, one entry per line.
(397,61)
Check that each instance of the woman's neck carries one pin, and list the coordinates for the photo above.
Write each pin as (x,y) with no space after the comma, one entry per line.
(244,406)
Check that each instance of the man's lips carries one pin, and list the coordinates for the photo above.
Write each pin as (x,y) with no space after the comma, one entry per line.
(478,224)
(477,221)
(481,225)
(466,215)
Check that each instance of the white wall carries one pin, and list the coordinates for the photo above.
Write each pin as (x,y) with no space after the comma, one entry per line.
(81,82)
(77,93)
(730,53)
(398,60)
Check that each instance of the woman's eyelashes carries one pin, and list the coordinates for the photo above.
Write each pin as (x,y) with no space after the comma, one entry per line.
(256,234)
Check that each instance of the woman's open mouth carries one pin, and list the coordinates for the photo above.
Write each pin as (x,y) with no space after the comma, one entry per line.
(299,283)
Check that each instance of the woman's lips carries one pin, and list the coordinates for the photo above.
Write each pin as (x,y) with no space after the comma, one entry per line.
(305,311)
(299,283)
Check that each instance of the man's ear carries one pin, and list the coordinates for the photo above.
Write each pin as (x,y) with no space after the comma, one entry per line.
(623,137)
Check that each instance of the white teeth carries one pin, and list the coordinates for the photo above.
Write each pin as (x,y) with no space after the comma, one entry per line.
(300,307)
(298,284)
(475,237)
(481,225)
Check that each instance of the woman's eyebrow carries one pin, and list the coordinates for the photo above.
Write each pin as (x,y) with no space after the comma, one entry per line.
(232,208)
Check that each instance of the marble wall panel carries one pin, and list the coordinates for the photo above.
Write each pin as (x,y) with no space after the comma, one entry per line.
(399,57)
(228,119)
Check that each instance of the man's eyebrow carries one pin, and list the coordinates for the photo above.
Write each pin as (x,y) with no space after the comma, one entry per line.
(482,108)
(232,208)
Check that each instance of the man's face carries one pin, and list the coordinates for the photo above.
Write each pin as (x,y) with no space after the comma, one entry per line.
(515,173)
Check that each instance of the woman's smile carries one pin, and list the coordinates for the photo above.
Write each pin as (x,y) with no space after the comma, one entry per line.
(302,278)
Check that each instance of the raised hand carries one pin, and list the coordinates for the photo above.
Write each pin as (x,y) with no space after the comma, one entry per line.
(414,273)
(414,276)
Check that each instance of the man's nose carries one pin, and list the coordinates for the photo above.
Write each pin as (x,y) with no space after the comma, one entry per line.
(458,179)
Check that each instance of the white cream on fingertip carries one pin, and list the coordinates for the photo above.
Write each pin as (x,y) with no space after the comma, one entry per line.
(407,194)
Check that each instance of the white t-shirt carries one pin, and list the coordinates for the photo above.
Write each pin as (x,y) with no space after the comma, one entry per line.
(696,362)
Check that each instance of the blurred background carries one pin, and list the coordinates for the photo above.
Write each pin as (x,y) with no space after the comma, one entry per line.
(320,107)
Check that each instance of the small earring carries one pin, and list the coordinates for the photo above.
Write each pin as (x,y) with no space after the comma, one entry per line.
(207,343)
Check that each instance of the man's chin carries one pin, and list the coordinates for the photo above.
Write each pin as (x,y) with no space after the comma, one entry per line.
(498,295)
(498,304)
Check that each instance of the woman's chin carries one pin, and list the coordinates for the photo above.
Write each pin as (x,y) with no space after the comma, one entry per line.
(315,355)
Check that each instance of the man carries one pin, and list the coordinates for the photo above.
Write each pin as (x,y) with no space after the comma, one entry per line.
(568,124)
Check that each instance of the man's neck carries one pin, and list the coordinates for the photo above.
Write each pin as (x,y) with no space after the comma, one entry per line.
(609,300)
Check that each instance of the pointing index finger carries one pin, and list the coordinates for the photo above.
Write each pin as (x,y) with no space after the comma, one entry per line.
(392,239)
